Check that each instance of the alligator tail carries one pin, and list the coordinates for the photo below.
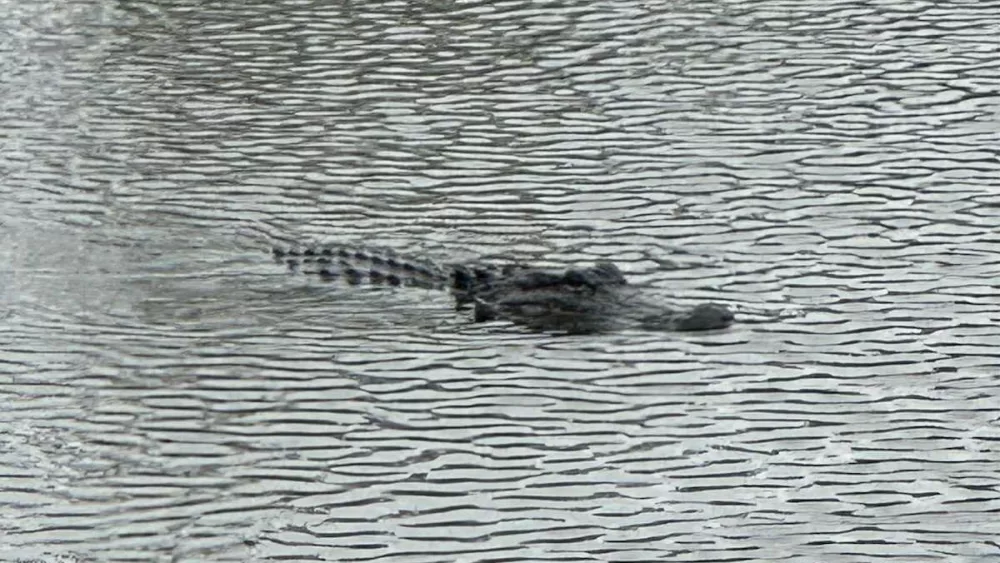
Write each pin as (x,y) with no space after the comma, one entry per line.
(358,266)
(386,267)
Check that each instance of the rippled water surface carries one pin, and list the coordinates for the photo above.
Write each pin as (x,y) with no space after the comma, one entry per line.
(169,393)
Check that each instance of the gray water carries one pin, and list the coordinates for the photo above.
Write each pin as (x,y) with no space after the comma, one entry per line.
(829,169)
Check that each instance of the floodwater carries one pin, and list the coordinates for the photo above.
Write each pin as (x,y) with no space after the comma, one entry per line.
(828,168)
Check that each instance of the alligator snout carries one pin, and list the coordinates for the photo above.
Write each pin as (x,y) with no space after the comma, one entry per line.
(705,316)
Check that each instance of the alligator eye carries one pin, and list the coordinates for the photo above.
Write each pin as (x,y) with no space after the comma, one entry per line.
(575,277)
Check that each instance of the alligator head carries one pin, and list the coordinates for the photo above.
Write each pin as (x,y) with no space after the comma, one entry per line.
(577,300)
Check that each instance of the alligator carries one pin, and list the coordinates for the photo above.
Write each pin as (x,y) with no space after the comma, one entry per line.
(576,300)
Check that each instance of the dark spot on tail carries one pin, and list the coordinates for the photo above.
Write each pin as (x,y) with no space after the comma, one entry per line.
(354,276)
(423,271)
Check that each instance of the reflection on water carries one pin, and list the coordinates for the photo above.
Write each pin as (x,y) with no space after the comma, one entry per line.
(169,393)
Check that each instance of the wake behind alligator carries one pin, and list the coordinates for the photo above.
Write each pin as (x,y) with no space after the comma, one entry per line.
(596,298)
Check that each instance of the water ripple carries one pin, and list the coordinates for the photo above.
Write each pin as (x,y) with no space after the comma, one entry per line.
(170,394)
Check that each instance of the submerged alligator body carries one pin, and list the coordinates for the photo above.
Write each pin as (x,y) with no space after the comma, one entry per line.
(577,300)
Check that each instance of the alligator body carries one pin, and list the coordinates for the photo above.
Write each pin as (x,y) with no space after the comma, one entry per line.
(577,300)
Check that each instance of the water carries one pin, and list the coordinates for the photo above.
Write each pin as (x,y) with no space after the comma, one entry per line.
(170,394)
